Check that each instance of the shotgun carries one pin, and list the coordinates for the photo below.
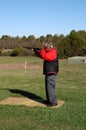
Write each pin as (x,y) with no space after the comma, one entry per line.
(34,48)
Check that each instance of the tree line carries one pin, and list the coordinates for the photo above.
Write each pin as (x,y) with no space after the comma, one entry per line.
(73,44)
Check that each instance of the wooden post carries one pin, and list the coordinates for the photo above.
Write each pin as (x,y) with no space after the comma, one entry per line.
(25,65)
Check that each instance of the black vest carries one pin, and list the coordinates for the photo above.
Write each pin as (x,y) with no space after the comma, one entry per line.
(51,67)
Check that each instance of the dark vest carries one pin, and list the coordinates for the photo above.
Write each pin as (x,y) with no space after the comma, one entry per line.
(51,67)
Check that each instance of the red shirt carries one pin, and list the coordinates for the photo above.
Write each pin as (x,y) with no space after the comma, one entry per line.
(49,55)
(50,65)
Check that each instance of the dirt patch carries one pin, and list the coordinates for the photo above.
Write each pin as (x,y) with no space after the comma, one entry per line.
(19,66)
(27,102)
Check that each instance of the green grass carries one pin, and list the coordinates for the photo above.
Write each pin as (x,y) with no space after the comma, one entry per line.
(71,87)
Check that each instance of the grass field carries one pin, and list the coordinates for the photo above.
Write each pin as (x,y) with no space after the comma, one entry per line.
(71,87)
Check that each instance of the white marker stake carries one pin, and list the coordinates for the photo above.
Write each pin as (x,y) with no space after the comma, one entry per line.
(25,65)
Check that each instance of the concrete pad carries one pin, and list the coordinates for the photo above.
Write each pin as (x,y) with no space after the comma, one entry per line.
(27,102)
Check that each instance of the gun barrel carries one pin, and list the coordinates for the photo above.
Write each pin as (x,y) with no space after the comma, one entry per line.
(28,47)
(34,48)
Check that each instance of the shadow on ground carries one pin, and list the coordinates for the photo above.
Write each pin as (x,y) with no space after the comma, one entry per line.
(29,100)
(27,94)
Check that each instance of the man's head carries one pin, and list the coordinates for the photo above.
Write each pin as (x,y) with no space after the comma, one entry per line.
(48,46)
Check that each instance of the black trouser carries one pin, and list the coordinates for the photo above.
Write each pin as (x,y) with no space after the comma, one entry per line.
(50,87)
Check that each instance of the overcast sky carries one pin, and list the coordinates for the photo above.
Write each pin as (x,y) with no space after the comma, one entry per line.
(41,17)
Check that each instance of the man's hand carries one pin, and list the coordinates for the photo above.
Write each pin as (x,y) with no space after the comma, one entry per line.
(32,49)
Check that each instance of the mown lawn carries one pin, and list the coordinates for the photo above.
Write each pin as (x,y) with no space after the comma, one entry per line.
(71,87)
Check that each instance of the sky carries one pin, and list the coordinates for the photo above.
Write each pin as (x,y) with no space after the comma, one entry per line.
(41,17)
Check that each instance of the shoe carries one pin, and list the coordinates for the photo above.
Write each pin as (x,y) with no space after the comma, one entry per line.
(52,104)
(46,102)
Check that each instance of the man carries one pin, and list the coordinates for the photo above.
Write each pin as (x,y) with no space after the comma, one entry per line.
(50,70)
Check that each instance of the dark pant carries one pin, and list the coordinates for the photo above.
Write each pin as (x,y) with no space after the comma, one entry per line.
(50,87)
